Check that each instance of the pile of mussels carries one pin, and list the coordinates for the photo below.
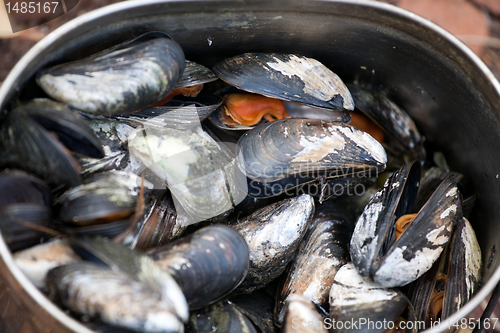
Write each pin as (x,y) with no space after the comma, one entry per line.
(139,203)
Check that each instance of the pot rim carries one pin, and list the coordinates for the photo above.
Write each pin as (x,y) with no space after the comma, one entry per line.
(31,55)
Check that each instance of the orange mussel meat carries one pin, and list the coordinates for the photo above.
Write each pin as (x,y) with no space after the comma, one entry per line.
(249,109)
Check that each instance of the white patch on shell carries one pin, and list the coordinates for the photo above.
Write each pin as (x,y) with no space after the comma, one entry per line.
(452,192)
(314,148)
(350,288)
(472,257)
(319,81)
(364,141)
(450,210)
(396,271)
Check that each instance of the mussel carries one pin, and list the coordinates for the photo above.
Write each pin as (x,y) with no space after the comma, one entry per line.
(287,77)
(324,249)
(286,153)
(24,199)
(124,78)
(113,296)
(453,279)
(207,264)
(356,300)
(395,248)
(273,234)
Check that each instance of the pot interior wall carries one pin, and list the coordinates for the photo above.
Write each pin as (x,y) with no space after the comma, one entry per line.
(452,101)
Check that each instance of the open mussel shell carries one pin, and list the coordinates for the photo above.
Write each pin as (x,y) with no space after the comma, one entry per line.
(301,316)
(453,279)
(113,296)
(181,113)
(67,124)
(125,78)
(207,264)
(26,145)
(287,77)
(273,234)
(140,267)
(395,122)
(324,249)
(308,147)
(354,298)
(391,261)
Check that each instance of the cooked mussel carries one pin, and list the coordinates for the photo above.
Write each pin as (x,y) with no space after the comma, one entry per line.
(324,249)
(207,264)
(286,77)
(284,154)
(453,279)
(136,265)
(124,78)
(103,198)
(26,145)
(273,234)
(71,129)
(191,82)
(356,299)
(117,299)
(394,247)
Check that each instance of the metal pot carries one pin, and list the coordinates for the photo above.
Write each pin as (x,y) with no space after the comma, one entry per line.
(451,94)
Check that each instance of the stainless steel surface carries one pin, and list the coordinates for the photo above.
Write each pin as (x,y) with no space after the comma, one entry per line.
(451,94)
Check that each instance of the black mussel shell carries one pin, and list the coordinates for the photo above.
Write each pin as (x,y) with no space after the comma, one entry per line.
(273,234)
(324,249)
(16,221)
(397,124)
(125,78)
(287,77)
(258,307)
(207,264)
(17,186)
(112,296)
(26,145)
(354,297)
(67,124)
(306,148)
